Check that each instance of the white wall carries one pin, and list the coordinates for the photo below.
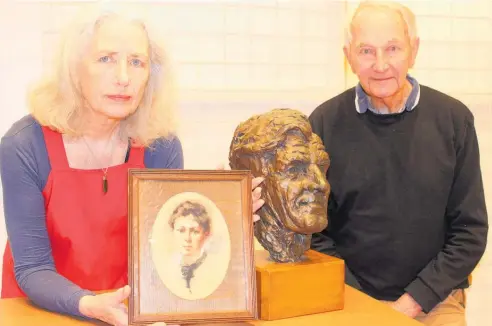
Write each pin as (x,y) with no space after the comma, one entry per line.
(236,59)
(241,57)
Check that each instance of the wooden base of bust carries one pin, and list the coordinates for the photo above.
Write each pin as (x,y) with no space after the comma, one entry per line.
(286,290)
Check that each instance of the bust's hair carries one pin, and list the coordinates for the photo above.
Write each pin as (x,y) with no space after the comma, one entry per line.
(56,100)
(196,210)
(263,133)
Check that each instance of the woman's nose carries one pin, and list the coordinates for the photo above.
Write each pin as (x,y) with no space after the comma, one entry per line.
(122,75)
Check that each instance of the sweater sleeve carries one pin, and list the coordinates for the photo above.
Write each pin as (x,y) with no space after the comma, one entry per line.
(165,154)
(27,233)
(322,241)
(467,228)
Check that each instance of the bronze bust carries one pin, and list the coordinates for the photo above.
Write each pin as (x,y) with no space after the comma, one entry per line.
(280,146)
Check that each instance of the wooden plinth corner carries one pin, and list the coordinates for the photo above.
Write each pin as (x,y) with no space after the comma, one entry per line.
(285,290)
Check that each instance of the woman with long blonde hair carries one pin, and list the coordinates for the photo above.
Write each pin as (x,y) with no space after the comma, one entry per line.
(106,108)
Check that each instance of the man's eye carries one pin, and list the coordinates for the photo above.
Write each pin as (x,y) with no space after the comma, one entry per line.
(297,169)
(136,62)
(292,169)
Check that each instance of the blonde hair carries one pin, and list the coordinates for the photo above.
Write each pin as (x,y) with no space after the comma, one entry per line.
(56,101)
(404,12)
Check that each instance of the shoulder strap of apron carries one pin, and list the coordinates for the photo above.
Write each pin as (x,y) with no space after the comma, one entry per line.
(55,148)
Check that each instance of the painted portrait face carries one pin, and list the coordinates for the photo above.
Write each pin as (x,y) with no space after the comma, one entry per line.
(189,235)
(296,185)
(116,68)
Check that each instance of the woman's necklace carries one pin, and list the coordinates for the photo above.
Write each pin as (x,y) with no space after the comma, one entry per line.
(105,169)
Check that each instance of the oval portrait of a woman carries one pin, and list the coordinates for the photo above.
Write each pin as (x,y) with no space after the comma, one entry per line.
(190,246)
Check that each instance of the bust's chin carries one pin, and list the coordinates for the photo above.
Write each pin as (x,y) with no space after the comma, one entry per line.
(307,223)
(283,244)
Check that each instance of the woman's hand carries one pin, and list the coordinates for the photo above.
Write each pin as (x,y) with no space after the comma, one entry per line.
(257,201)
(109,307)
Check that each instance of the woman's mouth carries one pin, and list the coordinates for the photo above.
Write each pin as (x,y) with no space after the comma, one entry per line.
(120,98)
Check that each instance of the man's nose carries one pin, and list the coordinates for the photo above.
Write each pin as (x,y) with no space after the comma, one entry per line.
(317,178)
(380,65)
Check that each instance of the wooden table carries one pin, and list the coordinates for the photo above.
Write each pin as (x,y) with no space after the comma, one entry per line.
(360,309)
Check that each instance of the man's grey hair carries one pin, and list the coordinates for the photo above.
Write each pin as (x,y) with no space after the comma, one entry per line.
(406,14)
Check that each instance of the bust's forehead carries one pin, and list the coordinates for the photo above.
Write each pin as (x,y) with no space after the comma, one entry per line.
(297,148)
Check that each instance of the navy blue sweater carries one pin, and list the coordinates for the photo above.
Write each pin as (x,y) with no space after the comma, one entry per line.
(407,209)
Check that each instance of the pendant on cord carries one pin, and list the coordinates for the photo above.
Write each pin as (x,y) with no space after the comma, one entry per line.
(105,184)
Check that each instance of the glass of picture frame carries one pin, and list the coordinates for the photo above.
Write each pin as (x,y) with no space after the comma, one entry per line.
(191,247)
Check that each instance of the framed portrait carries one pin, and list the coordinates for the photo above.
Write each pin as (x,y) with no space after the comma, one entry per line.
(190,247)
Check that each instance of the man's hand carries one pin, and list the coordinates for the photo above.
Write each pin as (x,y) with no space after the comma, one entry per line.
(257,201)
(109,307)
(407,305)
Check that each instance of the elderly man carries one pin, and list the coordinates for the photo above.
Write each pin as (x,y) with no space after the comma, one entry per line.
(407,210)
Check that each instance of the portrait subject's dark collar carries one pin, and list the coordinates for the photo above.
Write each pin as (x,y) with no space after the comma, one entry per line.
(188,271)
(363,103)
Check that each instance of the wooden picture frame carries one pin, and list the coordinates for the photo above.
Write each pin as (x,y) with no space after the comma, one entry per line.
(169,212)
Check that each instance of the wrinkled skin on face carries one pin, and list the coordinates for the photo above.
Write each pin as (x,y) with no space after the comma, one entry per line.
(381,54)
(296,188)
(280,146)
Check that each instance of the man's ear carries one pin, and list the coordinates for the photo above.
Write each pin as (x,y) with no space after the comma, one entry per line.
(415,49)
(346,52)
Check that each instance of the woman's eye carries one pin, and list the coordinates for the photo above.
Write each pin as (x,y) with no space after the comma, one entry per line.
(105,59)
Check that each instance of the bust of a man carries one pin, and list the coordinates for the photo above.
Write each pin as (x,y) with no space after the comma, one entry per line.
(281,147)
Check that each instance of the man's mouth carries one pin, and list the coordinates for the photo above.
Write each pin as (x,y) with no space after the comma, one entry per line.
(308,211)
(382,79)
(306,200)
